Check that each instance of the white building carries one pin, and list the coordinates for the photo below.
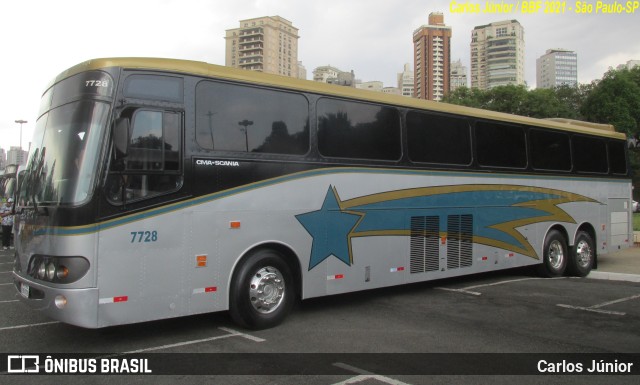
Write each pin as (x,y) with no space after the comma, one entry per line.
(458,75)
(406,81)
(557,67)
(3,159)
(302,71)
(332,75)
(17,156)
(629,65)
(324,73)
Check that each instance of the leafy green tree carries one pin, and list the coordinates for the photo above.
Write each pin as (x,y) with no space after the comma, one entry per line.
(512,99)
(615,100)
(469,97)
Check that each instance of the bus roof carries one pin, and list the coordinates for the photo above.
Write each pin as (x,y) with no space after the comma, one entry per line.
(228,73)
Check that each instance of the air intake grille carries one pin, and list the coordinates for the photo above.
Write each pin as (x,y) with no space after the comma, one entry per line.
(425,234)
(459,241)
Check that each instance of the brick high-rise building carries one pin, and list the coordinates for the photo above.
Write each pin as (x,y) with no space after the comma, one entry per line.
(267,44)
(431,55)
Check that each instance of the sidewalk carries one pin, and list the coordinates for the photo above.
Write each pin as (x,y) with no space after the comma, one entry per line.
(623,265)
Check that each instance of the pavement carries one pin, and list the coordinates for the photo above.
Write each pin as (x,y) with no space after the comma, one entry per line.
(623,265)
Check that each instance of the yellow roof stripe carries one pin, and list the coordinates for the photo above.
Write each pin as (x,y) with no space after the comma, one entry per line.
(221,72)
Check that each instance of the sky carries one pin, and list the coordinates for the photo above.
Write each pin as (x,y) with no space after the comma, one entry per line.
(42,38)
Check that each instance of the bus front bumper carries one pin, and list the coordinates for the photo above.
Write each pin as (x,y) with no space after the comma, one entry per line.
(73,306)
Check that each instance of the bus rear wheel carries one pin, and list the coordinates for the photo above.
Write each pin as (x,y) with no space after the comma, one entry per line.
(555,255)
(262,291)
(582,255)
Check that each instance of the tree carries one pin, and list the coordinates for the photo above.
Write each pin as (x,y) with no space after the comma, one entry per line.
(615,100)
(469,97)
(512,99)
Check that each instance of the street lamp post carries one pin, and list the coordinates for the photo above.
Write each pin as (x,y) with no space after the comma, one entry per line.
(21,122)
(246,123)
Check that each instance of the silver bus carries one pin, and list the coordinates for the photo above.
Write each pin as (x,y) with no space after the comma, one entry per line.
(160,188)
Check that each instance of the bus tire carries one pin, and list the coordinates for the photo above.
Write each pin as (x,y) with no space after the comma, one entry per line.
(262,290)
(555,255)
(582,255)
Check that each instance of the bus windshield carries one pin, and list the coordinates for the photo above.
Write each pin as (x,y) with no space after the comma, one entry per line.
(63,159)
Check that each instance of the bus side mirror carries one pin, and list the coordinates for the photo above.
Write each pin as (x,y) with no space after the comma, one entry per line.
(121,134)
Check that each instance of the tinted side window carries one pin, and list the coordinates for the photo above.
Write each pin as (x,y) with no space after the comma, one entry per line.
(154,87)
(241,118)
(589,154)
(155,141)
(617,158)
(438,139)
(501,145)
(358,130)
(152,166)
(550,150)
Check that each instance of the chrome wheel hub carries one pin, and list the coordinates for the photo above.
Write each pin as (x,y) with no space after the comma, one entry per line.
(267,290)
(556,255)
(583,254)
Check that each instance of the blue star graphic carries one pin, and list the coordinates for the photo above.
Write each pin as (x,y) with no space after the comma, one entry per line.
(330,228)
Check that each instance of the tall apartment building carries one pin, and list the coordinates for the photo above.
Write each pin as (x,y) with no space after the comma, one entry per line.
(17,156)
(497,54)
(267,44)
(3,159)
(557,67)
(458,76)
(431,56)
(302,71)
(406,81)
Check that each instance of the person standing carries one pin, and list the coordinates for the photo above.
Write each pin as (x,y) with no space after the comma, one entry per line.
(6,212)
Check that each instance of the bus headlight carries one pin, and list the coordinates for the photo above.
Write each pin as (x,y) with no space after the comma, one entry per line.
(57,269)
(42,270)
(51,271)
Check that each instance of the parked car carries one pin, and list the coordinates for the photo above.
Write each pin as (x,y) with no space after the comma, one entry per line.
(635,206)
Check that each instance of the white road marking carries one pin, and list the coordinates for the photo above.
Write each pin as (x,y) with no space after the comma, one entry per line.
(244,335)
(458,290)
(596,308)
(28,326)
(465,290)
(232,333)
(364,376)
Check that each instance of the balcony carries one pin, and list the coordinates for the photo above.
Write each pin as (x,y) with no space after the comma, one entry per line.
(249,62)
(252,32)
(251,39)
(251,47)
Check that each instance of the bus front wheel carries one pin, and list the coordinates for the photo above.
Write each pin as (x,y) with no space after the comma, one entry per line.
(582,255)
(262,291)
(555,255)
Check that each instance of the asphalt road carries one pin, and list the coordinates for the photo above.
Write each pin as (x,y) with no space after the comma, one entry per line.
(506,312)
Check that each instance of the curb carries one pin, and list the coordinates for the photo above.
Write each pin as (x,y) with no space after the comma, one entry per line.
(614,276)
